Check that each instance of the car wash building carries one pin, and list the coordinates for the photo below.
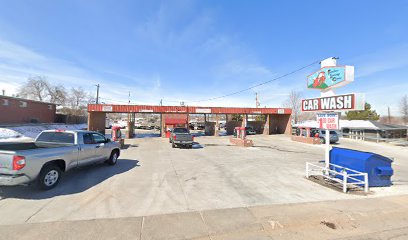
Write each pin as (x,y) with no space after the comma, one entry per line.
(276,120)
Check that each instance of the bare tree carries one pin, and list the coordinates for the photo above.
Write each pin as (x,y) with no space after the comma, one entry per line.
(91,99)
(58,94)
(78,97)
(294,101)
(404,109)
(36,88)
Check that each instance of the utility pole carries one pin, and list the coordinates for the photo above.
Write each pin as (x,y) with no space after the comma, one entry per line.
(161,102)
(389,115)
(257,104)
(129,99)
(97,93)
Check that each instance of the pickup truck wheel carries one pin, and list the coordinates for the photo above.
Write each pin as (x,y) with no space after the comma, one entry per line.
(49,176)
(113,159)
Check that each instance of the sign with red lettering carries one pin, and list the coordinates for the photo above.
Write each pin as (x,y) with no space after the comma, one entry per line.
(347,102)
(328,121)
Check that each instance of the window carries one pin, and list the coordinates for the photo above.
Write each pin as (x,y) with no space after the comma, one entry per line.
(5,102)
(180,130)
(88,138)
(98,138)
(23,104)
(56,137)
(50,107)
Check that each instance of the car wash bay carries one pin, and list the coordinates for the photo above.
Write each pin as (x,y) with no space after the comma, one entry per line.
(276,120)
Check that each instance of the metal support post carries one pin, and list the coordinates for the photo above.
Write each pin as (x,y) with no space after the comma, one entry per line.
(307,170)
(344,181)
(327,149)
(366,182)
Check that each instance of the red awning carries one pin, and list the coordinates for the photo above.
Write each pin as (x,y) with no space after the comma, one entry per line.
(174,121)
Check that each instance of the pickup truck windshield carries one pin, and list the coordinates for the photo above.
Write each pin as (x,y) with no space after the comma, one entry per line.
(180,130)
(56,137)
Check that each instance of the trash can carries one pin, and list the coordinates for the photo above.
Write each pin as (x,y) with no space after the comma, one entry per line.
(377,167)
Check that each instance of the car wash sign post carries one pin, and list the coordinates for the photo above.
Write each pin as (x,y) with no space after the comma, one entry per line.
(326,79)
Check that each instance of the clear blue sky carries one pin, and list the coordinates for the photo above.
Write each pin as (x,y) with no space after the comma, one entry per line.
(193,50)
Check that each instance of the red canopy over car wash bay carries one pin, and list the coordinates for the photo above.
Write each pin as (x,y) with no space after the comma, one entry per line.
(276,121)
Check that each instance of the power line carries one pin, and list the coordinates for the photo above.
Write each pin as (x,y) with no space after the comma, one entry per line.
(229,94)
(260,84)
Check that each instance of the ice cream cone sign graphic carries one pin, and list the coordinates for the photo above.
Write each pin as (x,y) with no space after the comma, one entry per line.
(319,80)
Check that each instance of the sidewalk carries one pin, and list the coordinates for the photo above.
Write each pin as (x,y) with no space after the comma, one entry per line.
(376,218)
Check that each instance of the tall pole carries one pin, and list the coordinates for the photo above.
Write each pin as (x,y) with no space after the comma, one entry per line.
(97,93)
(129,99)
(257,104)
(330,62)
(389,115)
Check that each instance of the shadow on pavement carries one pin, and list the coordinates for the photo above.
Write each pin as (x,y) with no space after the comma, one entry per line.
(74,181)
(126,146)
(197,145)
(147,135)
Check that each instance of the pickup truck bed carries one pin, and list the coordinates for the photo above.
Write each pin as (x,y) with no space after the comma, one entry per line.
(29,146)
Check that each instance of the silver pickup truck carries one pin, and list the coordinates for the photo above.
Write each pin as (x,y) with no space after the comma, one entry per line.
(53,152)
(181,137)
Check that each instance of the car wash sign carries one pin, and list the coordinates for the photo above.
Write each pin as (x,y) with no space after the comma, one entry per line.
(346,102)
(328,121)
(330,77)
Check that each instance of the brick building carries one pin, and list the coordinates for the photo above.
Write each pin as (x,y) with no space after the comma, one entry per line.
(18,110)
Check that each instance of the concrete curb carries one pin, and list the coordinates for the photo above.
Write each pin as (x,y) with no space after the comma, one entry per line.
(319,220)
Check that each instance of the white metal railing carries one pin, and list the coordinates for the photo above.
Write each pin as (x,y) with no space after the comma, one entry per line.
(377,139)
(331,174)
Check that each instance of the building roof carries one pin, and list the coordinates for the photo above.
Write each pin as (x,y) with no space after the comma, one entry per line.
(355,124)
(112,108)
(360,124)
(386,126)
(24,99)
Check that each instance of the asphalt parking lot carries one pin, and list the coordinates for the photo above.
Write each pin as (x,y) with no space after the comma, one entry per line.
(153,178)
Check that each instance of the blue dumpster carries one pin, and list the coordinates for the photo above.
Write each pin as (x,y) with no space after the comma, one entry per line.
(378,167)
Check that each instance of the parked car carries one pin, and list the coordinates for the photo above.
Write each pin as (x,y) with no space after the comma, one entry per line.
(181,137)
(52,153)
(122,124)
(334,137)
(250,131)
